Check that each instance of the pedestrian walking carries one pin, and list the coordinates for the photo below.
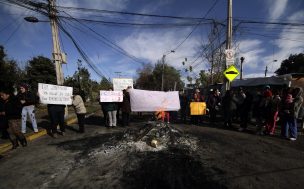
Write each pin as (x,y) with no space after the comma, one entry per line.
(28,101)
(79,108)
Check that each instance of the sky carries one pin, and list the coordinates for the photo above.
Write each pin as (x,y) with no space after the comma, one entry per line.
(136,45)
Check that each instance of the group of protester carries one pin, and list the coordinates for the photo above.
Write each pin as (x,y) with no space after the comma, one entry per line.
(239,106)
(267,107)
(15,108)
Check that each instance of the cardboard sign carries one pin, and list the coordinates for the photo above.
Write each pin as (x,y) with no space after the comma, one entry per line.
(120,84)
(197,108)
(111,96)
(55,94)
(152,101)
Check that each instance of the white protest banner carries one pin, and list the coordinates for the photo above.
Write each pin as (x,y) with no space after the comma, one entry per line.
(55,94)
(120,84)
(151,101)
(111,96)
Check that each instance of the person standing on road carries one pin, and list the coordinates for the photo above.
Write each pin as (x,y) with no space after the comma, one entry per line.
(289,120)
(184,104)
(111,108)
(3,121)
(56,114)
(229,104)
(12,113)
(80,109)
(126,108)
(213,104)
(28,101)
(270,111)
(273,111)
(245,109)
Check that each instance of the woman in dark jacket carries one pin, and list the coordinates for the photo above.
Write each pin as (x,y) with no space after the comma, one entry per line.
(12,113)
(126,108)
(245,109)
(229,104)
(111,109)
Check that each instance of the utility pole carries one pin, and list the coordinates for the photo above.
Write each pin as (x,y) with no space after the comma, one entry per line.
(242,60)
(266,70)
(162,83)
(79,65)
(58,56)
(228,36)
(163,70)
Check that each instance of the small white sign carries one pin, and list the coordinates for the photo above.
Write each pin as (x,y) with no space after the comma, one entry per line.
(111,96)
(229,56)
(120,84)
(55,94)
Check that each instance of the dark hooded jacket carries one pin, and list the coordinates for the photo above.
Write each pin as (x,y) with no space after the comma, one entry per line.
(30,98)
(12,108)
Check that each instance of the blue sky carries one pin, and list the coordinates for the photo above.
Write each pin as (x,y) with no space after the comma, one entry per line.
(260,44)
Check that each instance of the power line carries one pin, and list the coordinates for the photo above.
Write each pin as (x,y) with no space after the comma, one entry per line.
(164,25)
(105,71)
(11,35)
(131,13)
(82,53)
(110,43)
(180,44)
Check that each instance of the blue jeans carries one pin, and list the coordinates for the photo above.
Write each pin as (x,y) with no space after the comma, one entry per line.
(290,123)
(31,111)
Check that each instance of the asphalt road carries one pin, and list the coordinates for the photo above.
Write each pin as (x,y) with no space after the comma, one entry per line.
(193,157)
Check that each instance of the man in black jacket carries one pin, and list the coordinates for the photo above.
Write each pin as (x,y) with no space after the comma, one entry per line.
(12,113)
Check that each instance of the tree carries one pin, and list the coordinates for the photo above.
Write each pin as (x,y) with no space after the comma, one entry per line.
(203,78)
(105,84)
(10,73)
(150,78)
(40,70)
(294,64)
(213,52)
(145,79)
(81,80)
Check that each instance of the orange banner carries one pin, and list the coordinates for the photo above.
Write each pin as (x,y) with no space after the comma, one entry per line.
(197,108)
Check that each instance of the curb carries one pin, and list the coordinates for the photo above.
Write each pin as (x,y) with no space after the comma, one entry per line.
(32,136)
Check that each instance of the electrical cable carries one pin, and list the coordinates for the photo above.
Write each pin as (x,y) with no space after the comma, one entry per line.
(117,47)
(105,71)
(131,13)
(82,53)
(11,35)
(211,8)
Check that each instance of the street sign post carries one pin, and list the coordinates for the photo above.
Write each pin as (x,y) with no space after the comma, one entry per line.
(231,73)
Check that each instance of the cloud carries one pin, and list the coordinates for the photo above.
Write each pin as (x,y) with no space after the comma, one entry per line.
(276,8)
(96,4)
(290,42)
(251,50)
(151,46)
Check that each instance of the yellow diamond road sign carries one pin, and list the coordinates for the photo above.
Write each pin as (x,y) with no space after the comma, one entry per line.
(231,73)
